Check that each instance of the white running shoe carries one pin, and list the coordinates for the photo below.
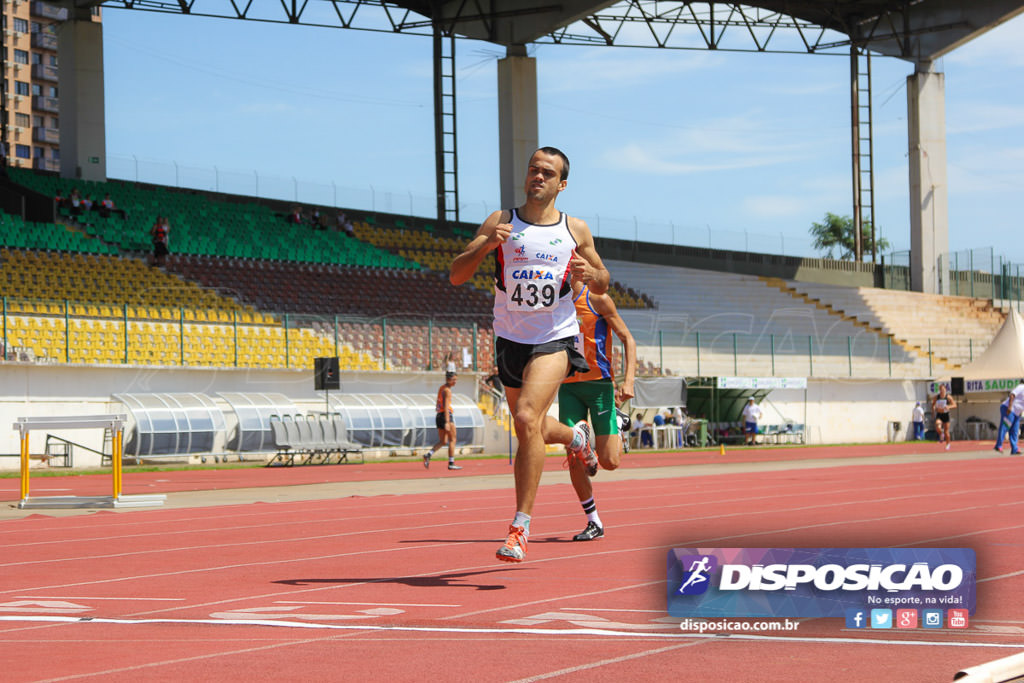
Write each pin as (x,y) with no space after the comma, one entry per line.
(514,549)
(582,447)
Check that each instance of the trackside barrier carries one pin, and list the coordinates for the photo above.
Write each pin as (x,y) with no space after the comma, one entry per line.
(1003,670)
(311,440)
(115,423)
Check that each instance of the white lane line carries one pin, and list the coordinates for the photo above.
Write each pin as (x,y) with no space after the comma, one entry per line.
(284,561)
(605,662)
(611,609)
(560,597)
(1002,576)
(746,497)
(90,597)
(462,523)
(507,631)
(371,604)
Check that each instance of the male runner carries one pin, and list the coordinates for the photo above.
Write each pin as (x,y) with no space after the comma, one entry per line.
(537,249)
(444,420)
(594,392)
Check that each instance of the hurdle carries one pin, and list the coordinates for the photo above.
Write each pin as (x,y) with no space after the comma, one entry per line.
(115,423)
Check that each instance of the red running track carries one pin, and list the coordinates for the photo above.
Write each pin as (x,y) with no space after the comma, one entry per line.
(406,587)
(220,479)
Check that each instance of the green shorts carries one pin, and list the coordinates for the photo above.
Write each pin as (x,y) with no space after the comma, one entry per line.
(597,397)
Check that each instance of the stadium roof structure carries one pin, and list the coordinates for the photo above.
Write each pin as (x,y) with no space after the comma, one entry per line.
(915,30)
(918,31)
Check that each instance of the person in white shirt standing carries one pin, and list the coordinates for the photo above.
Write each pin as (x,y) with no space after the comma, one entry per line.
(1015,407)
(917,417)
(751,414)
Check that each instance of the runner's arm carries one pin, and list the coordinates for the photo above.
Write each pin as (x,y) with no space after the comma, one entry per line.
(587,266)
(491,233)
(604,305)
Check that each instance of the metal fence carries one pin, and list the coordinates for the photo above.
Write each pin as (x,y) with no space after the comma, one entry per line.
(77,333)
(406,202)
(981,273)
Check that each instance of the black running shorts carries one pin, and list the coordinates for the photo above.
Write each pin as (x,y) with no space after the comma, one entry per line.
(511,358)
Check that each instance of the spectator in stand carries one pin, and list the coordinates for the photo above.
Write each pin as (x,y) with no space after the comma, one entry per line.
(492,383)
(295,216)
(107,207)
(60,200)
(87,203)
(493,390)
(76,202)
(159,234)
(345,225)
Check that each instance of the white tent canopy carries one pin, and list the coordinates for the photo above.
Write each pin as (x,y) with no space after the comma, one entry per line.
(1004,357)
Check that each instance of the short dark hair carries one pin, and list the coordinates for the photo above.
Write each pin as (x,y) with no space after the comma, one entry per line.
(554,151)
(449,375)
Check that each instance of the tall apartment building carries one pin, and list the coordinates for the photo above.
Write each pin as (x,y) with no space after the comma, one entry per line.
(30,86)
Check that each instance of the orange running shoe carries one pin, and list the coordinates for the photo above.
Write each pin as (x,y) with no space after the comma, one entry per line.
(514,549)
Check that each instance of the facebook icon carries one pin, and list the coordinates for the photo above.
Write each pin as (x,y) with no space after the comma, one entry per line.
(856,618)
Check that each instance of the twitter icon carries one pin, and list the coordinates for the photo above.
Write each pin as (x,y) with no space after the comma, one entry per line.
(881,618)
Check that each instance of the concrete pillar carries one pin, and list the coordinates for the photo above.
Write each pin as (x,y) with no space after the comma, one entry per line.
(517,122)
(83,146)
(929,218)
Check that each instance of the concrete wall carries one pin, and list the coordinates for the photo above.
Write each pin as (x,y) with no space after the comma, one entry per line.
(835,410)
(852,411)
(825,271)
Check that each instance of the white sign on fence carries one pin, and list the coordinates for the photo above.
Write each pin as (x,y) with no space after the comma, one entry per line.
(762,382)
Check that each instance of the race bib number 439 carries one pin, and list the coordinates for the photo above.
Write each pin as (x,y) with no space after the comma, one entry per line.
(531,289)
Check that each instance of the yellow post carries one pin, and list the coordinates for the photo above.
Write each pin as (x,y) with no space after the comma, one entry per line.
(721,448)
(115,455)
(24,464)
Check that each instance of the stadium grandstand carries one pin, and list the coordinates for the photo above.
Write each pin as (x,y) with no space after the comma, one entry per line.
(240,277)
(245,287)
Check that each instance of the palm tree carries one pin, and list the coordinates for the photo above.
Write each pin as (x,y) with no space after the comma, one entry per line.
(837,231)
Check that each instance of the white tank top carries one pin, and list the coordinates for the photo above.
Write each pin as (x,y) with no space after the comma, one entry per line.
(532,293)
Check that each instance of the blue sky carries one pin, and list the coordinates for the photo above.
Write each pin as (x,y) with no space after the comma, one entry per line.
(731,150)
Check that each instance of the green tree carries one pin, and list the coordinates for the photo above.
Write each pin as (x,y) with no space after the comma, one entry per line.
(837,232)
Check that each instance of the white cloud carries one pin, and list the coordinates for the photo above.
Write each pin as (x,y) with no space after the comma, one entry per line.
(722,144)
(987,170)
(976,117)
(267,107)
(674,158)
(778,206)
(607,69)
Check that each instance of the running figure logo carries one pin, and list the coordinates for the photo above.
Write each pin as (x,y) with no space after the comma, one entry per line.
(696,573)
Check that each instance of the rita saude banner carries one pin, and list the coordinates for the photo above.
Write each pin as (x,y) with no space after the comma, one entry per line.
(817,582)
